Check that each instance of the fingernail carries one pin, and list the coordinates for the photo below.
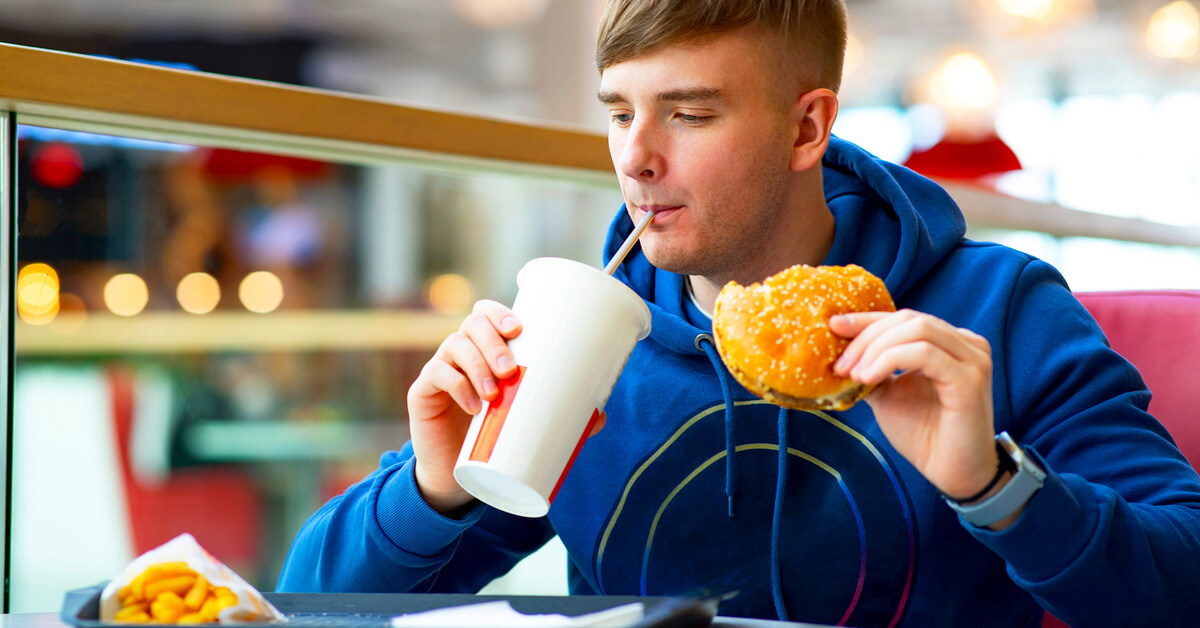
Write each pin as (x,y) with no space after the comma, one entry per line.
(505,363)
(474,406)
(489,387)
(841,364)
(509,323)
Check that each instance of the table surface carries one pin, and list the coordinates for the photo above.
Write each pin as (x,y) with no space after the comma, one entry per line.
(367,609)
(51,620)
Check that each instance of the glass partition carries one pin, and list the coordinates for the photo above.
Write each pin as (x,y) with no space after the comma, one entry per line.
(216,341)
(7,254)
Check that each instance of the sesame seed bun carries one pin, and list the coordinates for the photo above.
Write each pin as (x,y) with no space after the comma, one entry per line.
(774,336)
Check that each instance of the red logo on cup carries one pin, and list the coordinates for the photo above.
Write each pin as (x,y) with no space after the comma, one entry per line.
(496,414)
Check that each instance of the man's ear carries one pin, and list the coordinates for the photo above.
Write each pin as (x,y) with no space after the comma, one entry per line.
(812,120)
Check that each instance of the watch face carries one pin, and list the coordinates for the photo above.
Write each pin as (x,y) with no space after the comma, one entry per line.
(1008,444)
(1019,459)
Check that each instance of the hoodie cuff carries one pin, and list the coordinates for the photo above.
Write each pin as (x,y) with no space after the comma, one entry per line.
(409,522)
(1050,533)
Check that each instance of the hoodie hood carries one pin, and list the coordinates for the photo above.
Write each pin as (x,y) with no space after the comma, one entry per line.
(889,220)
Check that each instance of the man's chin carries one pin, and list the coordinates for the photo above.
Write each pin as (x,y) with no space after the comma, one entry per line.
(679,264)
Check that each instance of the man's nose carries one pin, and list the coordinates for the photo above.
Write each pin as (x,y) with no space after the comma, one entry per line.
(641,157)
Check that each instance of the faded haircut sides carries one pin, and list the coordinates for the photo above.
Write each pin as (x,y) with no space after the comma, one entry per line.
(813,29)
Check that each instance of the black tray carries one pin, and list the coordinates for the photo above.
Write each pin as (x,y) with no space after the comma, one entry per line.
(81,608)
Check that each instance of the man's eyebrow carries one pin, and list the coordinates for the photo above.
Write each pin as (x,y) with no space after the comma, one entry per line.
(690,94)
(685,94)
(609,98)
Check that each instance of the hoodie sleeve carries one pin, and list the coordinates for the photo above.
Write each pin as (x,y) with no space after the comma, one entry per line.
(381,536)
(1113,537)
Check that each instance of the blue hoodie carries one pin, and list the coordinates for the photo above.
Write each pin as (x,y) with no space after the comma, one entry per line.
(813,516)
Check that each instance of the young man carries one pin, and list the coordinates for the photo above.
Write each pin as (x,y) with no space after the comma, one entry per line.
(720,121)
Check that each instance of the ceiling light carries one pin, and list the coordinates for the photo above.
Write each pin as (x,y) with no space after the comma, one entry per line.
(261,292)
(497,15)
(37,289)
(449,294)
(126,294)
(1032,9)
(963,81)
(198,293)
(1174,31)
(854,55)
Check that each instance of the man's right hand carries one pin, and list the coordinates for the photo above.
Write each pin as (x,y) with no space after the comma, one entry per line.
(450,390)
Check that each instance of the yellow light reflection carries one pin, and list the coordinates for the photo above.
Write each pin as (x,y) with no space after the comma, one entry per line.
(1174,31)
(261,292)
(198,293)
(126,295)
(41,318)
(963,81)
(1032,9)
(449,294)
(37,290)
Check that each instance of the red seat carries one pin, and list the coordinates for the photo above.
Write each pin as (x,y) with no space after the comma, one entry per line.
(221,506)
(1153,329)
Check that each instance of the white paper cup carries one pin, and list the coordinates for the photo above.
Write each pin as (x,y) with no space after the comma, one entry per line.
(579,326)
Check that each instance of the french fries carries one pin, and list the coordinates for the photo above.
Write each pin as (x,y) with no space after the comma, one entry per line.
(172,593)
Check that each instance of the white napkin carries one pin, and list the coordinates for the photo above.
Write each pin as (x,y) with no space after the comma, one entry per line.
(501,614)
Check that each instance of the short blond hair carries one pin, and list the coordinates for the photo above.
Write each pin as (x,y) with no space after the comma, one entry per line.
(813,29)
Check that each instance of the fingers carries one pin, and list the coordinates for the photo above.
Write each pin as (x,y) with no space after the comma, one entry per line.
(851,326)
(927,358)
(884,343)
(438,377)
(469,362)
(488,327)
(502,318)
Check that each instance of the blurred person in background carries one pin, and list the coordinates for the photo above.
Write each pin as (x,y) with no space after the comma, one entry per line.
(906,509)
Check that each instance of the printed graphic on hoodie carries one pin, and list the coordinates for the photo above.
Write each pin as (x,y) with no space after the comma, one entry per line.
(847,530)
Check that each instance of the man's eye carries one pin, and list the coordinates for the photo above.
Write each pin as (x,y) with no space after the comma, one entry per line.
(693,119)
(622,118)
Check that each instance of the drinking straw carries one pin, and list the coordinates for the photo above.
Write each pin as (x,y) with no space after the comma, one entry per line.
(619,256)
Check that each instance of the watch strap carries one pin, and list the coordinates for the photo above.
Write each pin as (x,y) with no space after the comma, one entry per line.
(1028,479)
(1004,465)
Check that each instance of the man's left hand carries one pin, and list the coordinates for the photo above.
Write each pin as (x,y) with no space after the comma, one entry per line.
(933,398)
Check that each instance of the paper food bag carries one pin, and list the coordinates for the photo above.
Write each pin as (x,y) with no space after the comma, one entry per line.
(166,593)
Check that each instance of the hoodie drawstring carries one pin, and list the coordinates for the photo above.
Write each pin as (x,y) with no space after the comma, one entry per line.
(704,342)
(777,519)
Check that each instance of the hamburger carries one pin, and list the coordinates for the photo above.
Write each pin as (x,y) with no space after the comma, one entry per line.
(775,339)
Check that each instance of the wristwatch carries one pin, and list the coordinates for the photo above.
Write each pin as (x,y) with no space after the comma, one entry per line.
(1027,480)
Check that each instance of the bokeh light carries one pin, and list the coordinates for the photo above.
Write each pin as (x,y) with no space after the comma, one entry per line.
(1032,9)
(72,314)
(42,318)
(500,14)
(854,55)
(963,81)
(57,165)
(198,293)
(1174,31)
(126,294)
(261,292)
(449,293)
(37,293)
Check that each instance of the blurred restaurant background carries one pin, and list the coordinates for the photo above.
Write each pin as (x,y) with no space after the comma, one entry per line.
(217,339)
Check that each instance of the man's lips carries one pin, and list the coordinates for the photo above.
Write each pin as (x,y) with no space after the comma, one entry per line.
(659,210)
